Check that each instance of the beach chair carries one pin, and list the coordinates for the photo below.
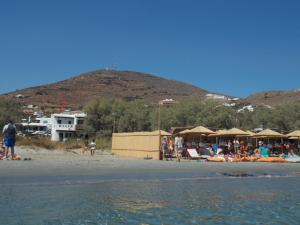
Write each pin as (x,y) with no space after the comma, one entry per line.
(193,154)
(204,153)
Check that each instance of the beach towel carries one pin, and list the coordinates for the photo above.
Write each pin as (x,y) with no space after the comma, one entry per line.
(271,159)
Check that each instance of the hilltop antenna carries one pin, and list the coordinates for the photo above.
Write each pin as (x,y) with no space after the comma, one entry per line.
(114,66)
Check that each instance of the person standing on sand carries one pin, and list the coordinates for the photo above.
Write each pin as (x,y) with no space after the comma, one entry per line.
(178,147)
(9,133)
(164,146)
(93,147)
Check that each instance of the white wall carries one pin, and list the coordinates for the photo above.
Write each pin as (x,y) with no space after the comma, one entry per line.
(68,126)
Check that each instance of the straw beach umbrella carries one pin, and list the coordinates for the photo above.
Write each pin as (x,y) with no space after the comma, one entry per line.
(294,135)
(187,131)
(269,134)
(250,133)
(200,130)
(217,133)
(229,133)
(234,132)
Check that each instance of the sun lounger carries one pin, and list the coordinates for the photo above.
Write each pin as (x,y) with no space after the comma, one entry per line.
(204,153)
(294,159)
(193,154)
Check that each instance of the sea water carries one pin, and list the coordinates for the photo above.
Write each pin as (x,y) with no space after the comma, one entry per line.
(183,200)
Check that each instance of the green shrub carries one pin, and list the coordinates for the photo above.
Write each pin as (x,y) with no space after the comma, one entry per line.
(103,143)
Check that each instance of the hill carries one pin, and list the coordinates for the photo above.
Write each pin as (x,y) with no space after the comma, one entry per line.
(274,98)
(75,92)
(126,85)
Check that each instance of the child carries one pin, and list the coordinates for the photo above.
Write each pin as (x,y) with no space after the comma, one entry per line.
(93,147)
(2,150)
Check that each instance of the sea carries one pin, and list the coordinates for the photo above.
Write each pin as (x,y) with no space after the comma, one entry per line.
(214,199)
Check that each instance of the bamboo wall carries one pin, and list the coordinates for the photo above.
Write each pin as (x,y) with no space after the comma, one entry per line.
(137,144)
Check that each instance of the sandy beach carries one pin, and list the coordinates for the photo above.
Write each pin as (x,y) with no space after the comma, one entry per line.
(105,165)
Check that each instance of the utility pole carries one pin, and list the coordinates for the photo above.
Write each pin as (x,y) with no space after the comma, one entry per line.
(158,122)
(114,124)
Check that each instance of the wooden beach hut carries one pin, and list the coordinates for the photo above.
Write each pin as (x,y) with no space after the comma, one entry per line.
(138,144)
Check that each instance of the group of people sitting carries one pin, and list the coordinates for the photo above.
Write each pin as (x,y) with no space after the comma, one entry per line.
(230,151)
(240,152)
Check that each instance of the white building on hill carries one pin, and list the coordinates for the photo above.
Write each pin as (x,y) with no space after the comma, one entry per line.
(40,126)
(215,96)
(66,125)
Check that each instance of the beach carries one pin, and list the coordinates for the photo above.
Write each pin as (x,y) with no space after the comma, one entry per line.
(64,187)
(71,163)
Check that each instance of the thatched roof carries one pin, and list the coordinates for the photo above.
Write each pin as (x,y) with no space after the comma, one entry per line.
(295,133)
(231,132)
(268,133)
(198,130)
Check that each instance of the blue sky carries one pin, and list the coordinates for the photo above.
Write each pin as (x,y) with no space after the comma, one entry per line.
(231,47)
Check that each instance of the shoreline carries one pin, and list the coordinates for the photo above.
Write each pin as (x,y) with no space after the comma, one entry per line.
(104,166)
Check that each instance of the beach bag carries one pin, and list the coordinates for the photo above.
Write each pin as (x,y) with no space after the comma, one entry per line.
(11,131)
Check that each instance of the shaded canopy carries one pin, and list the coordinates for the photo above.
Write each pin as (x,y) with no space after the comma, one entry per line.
(268,133)
(295,133)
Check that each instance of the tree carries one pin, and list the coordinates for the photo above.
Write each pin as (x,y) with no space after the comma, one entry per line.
(104,116)
(9,110)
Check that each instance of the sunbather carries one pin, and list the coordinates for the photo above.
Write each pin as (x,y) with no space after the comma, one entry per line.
(242,152)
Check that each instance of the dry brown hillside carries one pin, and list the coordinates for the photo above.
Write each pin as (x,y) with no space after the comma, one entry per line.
(274,98)
(77,91)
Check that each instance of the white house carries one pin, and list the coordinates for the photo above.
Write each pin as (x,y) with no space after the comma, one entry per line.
(215,96)
(39,126)
(65,125)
